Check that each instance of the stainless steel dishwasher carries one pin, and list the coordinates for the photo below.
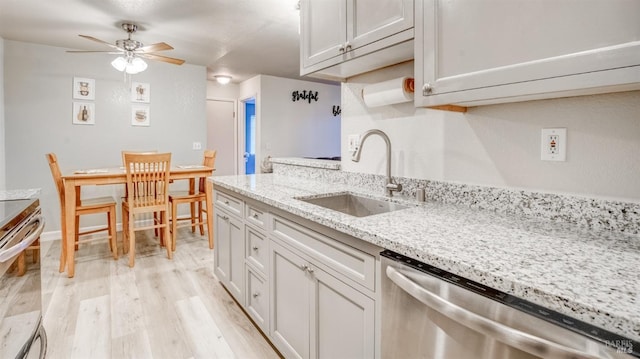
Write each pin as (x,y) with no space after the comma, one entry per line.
(430,313)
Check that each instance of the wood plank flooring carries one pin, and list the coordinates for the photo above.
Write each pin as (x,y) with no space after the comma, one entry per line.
(161,308)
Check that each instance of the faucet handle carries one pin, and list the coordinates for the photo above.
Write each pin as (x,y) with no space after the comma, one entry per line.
(394,187)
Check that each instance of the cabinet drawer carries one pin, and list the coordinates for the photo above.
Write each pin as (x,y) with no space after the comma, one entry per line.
(257,299)
(255,216)
(229,203)
(336,256)
(256,249)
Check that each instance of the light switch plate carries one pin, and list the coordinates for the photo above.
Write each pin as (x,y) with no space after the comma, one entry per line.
(553,144)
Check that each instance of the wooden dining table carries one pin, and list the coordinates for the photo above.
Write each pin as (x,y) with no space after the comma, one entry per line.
(75,179)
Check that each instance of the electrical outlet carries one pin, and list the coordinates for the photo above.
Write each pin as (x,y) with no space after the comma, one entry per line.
(353,142)
(553,144)
(197,146)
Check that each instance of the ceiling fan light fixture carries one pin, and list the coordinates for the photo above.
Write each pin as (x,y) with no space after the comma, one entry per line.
(120,63)
(129,65)
(136,65)
(222,79)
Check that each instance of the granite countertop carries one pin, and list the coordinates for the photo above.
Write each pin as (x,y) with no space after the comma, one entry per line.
(6,195)
(308,162)
(586,274)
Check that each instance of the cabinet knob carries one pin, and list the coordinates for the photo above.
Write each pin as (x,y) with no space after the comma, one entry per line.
(347,47)
(427,89)
(225,218)
(255,248)
(256,294)
(255,215)
(306,268)
(341,49)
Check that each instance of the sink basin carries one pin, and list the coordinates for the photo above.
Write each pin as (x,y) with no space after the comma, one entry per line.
(354,205)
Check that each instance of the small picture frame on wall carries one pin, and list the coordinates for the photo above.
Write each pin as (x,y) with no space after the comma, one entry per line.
(84,113)
(84,88)
(140,92)
(140,116)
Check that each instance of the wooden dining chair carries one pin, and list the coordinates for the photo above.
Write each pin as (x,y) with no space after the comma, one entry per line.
(195,197)
(83,207)
(147,192)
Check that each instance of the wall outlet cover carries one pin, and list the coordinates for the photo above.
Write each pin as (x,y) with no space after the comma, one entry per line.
(553,144)
(353,142)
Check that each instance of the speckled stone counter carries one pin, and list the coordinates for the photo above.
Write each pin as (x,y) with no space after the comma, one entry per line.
(307,162)
(591,275)
(19,194)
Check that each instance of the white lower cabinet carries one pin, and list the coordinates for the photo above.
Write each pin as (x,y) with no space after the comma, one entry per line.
(257,299)
(311,291)
(314,314)
(229,252)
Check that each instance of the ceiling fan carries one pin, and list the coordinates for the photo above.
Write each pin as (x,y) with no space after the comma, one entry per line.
(133,51)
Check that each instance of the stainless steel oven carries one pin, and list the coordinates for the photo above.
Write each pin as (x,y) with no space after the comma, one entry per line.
(431,313)
(21,332)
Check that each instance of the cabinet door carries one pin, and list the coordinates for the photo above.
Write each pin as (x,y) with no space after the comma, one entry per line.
(236,253)
(344,322)
(480,52)
(257,249)
(289,302)
(229,255)
(372,20)
(222,233)
(324,33)
(257,299)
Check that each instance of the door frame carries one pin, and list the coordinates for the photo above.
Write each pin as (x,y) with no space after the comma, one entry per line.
(235,127)
(240,122)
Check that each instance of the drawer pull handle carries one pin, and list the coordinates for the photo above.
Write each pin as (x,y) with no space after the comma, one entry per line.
(256,294)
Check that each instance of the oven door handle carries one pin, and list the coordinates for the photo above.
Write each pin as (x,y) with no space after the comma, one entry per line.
(503,333)
(12,252)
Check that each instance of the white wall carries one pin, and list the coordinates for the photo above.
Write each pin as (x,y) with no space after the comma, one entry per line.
(38,110)
(217,91)
(284,127)
(2,147)
(499,145)
(300,128)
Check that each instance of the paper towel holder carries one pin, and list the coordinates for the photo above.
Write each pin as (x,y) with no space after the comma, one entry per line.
(390,92)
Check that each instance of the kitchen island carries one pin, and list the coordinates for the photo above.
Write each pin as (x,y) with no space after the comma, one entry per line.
(590,275)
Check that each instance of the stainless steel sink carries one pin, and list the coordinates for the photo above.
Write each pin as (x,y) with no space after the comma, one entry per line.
(354,205)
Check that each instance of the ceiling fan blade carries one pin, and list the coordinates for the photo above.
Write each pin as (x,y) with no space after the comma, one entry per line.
(100,41)
(85,51)
(170,60)
(161,46)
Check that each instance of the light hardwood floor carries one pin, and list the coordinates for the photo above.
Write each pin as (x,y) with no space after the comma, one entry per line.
(161,308)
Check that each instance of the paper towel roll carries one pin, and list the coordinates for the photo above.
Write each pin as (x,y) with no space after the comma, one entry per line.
(388,92)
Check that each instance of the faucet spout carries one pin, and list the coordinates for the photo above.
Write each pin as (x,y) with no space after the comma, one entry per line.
(391,186)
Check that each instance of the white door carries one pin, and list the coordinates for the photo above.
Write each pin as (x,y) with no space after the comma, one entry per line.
(221,135)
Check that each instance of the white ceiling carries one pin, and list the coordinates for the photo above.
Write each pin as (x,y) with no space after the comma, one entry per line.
(241,38)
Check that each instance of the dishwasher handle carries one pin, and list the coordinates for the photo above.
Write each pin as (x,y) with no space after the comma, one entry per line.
(13,251)
(503,333)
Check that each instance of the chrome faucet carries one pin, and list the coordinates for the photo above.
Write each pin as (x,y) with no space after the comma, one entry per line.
(391,186)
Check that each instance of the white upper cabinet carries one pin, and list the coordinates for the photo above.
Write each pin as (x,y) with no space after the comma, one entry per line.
(337,32)
(482,52)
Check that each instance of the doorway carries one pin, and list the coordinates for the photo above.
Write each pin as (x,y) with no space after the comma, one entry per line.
(221,135)
(249,135)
